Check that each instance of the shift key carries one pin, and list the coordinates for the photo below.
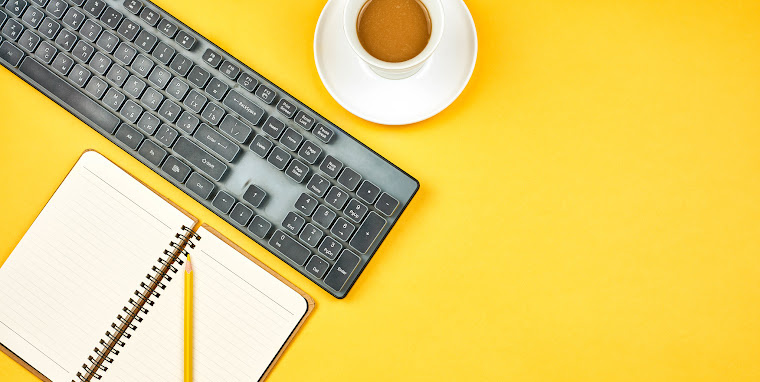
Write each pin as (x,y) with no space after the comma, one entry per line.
(216,142)
(200,158)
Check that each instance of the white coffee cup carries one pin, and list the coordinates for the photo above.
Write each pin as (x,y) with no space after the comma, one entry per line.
(393,70)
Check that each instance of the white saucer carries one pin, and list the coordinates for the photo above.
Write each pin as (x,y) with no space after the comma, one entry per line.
(396,102)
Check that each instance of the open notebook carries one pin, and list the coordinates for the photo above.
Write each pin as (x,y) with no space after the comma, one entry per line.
(89,292)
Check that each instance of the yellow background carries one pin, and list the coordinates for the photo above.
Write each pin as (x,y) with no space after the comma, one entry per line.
(589,210)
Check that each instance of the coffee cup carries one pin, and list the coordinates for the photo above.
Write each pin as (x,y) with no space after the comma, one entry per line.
(393,70)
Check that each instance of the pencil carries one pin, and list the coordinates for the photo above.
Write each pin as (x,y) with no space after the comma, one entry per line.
(188,321)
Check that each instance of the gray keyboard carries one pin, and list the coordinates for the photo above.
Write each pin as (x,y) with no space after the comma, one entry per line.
(266,163)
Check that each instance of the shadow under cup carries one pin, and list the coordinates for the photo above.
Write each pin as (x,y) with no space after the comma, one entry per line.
(393,70)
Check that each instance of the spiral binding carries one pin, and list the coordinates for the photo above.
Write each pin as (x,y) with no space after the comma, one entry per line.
(144,295)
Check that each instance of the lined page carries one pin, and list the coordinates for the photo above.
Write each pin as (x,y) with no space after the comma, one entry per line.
(242,317)
(79,263)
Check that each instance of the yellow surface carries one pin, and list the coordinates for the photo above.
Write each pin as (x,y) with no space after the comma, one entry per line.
(589,210)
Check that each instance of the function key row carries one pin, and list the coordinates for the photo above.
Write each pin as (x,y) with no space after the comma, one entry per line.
(152,18)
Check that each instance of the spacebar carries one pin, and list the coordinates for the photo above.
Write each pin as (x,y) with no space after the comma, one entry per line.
(69,95)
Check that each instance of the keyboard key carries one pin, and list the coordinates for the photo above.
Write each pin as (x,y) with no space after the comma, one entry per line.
(323,133)
(241,214)
(73,18)
(229,69)
(148,123)
(152,152)
(10,53)
(368,192)
(236,129)
(90,30)
(291,139)
(177,88)
(187,122)
(306,121)
(129,136)
(279,158)
(82,51)
(243,106)
(200,158)
(288,247)
(247,82)
(212,113)
(163,53)
(342,229)
(45,52)
(342,270)
(212,58)
(254,195)
(41,3)
(125,53)
(107,41)
(331,166)
(367,232)
(67,94)
(111,18)
(176,169)
(32,17)
(94,7)
(49,27)
(149,16)
(133,6)
(195,101)
(349,178)
(266,94)
(145,41)
(297,170)
(336,197)
(28,41)
(199,185)
(128,29)
(216,89)
(306,204)
(185,40)
(181,65)
(261,146)
(151,99)
(355,210)
(273,127)
(80,75)
(310,152)
(286,108)
(57,8)
(16,7)
(318,185)
(166,135)
(134,86)
(12,29)
(100,63)
(198,76)
(159,77)
(223,201)
(330,248)
(386,204)
(259,226)
(113,97)
(62,64)
(216,142)
(167,28)
(293,223)
(311,235)
(66,40)
(96,88)
(142,65)
(169,110)
(324,216)
(317,267)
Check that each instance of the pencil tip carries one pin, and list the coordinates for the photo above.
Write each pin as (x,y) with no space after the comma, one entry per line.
(188,265)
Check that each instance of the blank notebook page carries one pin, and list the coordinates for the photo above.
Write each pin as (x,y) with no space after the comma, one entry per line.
(242,318)
(79,263)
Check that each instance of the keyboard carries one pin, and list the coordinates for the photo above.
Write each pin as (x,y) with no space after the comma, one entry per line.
(282,174)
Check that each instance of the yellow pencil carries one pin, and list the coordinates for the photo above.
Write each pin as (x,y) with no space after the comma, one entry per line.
(188,321)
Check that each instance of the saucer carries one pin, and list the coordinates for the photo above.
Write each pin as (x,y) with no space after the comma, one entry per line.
(396,102)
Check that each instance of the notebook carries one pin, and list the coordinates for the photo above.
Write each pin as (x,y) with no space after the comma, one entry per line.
(90,291)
